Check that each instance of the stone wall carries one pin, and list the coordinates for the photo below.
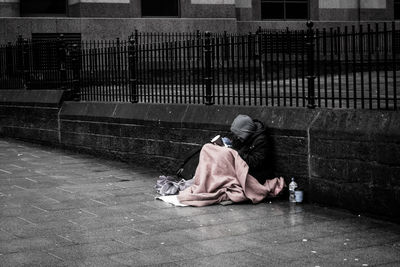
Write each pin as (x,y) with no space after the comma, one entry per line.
(30,115)
(161,135)
(107,28)
(344,158)
(355,160)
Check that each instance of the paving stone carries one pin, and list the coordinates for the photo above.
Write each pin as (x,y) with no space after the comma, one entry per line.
(370,256)
(83,251)
(147,241)
(26,244)
(91,262)
(117,233)
(36,258)
(159,255)
(241,258)
(224,245)
(60,208)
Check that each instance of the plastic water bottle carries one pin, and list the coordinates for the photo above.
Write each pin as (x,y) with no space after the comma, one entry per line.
(292,188)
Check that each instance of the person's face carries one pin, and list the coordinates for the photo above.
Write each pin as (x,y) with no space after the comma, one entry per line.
(237,139)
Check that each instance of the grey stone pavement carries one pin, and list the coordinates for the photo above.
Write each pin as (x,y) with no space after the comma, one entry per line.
(59,208)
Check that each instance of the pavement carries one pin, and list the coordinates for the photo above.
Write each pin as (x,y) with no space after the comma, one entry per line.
(61,208)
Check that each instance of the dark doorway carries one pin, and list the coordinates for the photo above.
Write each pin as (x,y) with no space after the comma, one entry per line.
(396,9)
(43,7)
(160,8)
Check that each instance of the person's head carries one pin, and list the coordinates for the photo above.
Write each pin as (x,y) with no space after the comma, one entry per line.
(243,127)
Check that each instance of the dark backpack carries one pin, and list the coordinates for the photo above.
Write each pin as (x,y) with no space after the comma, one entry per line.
(189,165)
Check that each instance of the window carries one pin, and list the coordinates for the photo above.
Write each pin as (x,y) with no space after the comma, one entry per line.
(43,7)
(284,9)
(160,8)
(396,9)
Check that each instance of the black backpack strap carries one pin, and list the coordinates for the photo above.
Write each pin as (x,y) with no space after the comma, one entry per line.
(194,153)
(190,156)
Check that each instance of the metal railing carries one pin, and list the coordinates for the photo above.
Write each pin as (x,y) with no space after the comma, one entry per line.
(350,67)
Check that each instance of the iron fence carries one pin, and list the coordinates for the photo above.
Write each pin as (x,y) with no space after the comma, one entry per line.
(349,67)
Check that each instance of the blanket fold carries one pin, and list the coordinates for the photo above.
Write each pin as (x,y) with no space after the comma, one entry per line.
(223,175)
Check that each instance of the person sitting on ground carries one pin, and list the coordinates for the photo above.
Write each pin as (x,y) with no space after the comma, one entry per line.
(233,174)
(250,141)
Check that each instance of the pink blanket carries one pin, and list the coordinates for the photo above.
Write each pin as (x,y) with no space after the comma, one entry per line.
(223,175)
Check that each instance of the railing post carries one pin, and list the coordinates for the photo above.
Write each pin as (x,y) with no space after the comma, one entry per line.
(76,72)
(118,61)
(26,63)
(310,65)
(62,57)
(209,97)
(226,48)
(20,55)
(136,36)
(9,60)
(132,58)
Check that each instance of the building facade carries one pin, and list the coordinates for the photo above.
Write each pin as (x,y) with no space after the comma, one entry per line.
(110,19)
(242,10)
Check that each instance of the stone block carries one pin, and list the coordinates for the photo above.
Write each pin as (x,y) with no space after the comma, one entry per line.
(103,128)
(117,144)
(73,110)
(166,115)
(131,113)
(15,26)
(27,133)
(356,196)
(111,129)
(290,165)
(100,111)
(68,25)
(289,144)
(163,164)
(48,136)
(39,98)
(181,24)
(99,142)
(74,126)
(132,130)
(329,169)
(324,192)
(44,25)
(151,132)
(385,201)
(359,171)
(342,149)
(71,139)
(167,149)
(386,175)
(387,153)
(102,28)
(357,125)
(288,121)
(137,146)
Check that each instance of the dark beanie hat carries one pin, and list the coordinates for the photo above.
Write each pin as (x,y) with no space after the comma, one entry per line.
(243,126)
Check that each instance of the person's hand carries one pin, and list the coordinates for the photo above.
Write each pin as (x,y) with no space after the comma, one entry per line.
(217,140)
